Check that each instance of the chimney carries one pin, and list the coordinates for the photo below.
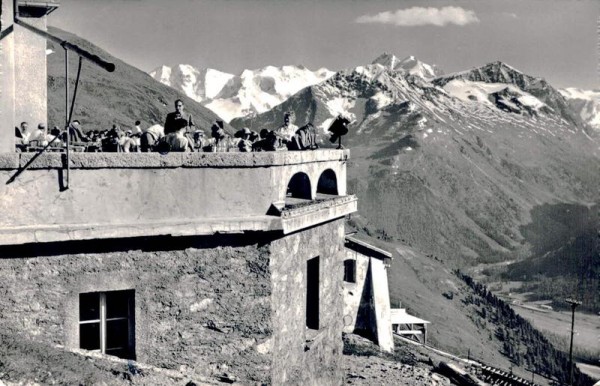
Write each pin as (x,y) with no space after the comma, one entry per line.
(31,75)
(7,77)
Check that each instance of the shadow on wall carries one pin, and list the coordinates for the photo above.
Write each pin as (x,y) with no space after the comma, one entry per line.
(145,244)
(366,322)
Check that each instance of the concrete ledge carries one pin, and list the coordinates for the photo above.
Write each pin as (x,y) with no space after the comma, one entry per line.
(290,221)
(171,160)
(43,161)
(9,161)
(71,232)
(310,215)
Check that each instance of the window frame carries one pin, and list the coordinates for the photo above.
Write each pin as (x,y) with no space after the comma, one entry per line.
(129,348)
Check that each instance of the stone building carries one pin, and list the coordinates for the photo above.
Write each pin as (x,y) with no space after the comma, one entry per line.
(198,261)
(366,294)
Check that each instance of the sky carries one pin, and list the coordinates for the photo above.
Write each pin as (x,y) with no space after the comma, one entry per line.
(558,40)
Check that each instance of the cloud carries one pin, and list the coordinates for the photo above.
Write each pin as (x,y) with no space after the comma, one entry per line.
(418,16)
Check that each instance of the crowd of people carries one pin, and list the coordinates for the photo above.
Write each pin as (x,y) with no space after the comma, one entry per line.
(179,134)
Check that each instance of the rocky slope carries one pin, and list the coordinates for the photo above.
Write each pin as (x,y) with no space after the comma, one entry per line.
(249,93)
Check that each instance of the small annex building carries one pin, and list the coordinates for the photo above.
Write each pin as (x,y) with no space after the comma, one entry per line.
(366,293)
(409,326)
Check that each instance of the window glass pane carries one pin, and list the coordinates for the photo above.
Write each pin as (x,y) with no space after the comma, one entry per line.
(89,306)
(117,304)
(117,334)
(89,336)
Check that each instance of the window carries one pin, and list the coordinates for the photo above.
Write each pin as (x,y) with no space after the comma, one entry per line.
(312,293)
(106,323)
(350,271)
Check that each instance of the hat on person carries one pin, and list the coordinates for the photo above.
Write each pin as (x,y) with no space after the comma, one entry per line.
(42,126)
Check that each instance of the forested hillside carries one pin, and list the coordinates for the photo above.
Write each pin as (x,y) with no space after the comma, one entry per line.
(521,342)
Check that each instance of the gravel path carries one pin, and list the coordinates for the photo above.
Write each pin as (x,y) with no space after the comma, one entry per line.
(371,370)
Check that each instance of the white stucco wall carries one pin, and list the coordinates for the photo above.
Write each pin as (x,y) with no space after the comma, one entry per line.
(7,79)
(381,295)
(377,293)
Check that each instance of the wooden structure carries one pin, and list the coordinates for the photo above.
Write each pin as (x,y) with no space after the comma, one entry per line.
(408,325)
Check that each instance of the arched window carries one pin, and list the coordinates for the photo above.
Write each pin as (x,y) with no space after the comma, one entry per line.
(299,186)
(327,183)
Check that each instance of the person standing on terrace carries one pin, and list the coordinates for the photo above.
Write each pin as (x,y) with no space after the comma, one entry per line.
(171,123)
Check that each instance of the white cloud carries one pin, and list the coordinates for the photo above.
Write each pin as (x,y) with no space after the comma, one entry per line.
(417,16)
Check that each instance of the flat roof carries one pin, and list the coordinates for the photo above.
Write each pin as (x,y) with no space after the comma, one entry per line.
(400,316)
(366,248)
(37,8)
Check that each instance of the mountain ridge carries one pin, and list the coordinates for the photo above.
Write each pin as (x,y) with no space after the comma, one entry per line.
(248,93)
(410,65)
(253,92)
(414,136)
(586,103)
(500,72)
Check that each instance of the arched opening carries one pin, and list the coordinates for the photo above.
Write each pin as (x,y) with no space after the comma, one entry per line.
(327,183)
(299,186)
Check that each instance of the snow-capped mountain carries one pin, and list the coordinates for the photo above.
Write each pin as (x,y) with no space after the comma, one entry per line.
(251,92)
(365,92)
(499,73)
(476,150)
(410,65)
(198,84)
(586,103)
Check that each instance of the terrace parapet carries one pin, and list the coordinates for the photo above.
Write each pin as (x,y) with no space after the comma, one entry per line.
(143,194)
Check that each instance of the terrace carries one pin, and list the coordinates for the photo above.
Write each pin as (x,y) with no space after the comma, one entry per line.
(116,195)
